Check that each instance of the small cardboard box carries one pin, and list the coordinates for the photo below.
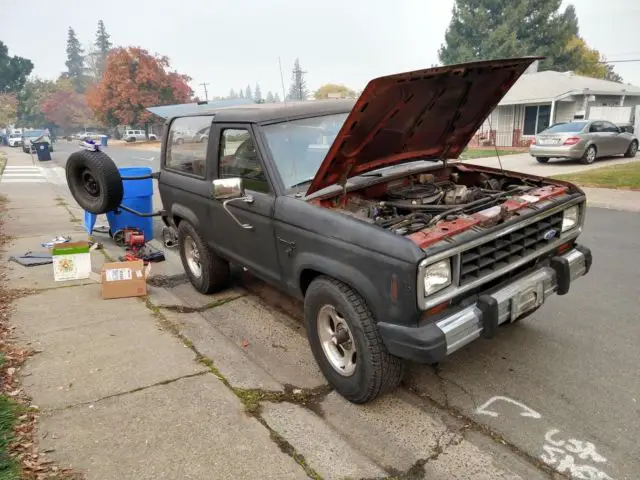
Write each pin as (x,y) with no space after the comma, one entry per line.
(124,279)
(71,261)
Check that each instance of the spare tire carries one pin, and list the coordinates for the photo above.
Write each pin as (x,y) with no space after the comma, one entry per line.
(94,181)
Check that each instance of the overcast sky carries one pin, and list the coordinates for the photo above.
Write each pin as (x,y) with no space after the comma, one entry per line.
(230,44)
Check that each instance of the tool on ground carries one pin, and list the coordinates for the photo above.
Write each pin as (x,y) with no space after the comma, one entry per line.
(129,237)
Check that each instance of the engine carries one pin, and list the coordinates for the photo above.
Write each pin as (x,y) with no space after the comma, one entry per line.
(414,203)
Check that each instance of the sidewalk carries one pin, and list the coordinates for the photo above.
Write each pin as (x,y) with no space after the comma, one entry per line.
(180,385)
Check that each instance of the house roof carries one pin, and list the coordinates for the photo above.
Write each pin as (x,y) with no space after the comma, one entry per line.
(548,85)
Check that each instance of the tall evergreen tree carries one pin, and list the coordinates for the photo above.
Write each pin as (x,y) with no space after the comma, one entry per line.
(232,94)
(486,29)
(257,93)
(75,62)
(247,93)
(298,89)
(241,94)
(276,98)
(270,97)
(103,46)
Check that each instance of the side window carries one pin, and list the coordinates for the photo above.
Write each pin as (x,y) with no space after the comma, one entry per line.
(239,158)
(595,127)
(610,127)
(187,152)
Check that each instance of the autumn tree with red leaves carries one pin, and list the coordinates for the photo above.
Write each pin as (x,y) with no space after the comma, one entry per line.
(66,108)
(133,81)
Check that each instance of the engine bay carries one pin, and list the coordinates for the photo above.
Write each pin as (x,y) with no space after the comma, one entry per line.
(425,201)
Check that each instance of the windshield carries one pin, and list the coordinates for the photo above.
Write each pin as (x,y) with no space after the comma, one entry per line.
(34,133)
(298,147)
(14,135)
(572,127)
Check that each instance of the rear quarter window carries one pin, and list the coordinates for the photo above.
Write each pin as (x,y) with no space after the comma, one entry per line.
(188,153)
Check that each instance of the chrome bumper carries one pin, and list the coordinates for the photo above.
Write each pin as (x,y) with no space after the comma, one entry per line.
(514,300)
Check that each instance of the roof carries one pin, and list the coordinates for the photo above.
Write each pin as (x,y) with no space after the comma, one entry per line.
(276,112)
(549,85)
(169,111)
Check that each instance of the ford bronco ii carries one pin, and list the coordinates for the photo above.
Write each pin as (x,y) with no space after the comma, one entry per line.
(354,207)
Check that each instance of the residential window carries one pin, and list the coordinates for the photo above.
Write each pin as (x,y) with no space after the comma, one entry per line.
(536,119)
(186,150)
(239,158)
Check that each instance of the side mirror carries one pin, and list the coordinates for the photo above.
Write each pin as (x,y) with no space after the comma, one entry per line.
(227,188)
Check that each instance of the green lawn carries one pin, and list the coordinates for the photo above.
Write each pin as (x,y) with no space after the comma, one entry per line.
(626,176)
(485,152)
(9,469)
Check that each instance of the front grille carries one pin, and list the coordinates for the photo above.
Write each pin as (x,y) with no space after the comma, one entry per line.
(499,253)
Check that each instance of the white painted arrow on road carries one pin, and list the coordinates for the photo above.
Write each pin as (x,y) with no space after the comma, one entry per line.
(526,411)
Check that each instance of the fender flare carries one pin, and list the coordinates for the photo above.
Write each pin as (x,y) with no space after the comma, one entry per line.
(178,210)
(340,271)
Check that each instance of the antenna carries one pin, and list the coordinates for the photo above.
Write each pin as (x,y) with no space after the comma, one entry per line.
(206,95)
(284,95)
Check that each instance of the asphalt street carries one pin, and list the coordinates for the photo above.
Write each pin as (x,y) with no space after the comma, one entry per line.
(561,386)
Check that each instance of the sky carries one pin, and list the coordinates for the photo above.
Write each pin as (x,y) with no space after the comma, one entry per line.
(229,44)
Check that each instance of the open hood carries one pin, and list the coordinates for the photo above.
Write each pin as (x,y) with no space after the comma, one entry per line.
(420,115)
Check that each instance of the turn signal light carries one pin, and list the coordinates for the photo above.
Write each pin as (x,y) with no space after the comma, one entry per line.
(533,141)
(571,140)
(564,247)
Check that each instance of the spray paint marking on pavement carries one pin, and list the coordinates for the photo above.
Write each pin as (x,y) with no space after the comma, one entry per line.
(559,453)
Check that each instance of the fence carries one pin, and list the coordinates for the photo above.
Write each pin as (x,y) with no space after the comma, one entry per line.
(514,138)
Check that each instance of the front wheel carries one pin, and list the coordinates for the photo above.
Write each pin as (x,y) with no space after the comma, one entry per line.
(542,159)
(346,344)
(632,150)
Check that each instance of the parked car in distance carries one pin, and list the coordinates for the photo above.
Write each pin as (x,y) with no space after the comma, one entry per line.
(15,140)
(585,140)
(354,208)
(135,135)
(30,136)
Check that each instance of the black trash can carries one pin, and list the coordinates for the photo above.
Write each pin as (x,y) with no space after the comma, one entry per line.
(42,150)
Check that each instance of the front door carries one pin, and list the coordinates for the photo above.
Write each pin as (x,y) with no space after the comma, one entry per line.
(255,247)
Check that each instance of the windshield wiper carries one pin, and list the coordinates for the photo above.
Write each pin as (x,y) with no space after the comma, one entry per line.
(299,184)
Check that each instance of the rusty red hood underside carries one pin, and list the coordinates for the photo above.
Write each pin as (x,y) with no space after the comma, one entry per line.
(424,114)
(490,216)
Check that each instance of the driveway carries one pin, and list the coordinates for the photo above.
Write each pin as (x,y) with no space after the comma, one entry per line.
(523,162)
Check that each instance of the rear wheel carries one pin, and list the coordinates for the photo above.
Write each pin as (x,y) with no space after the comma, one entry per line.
(346,344)
(542,159)
(207,271)
(632,150)
(589,155)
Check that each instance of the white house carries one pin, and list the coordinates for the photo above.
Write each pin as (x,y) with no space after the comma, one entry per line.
(539,99)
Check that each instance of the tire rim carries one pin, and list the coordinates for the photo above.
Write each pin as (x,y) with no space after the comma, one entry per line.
(192,254)
(337,341)
(90,184)
(591,154)
(634,149)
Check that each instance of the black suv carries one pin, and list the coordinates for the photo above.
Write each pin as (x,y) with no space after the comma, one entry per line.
(353,207)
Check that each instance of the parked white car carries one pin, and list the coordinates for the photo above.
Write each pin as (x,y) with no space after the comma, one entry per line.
(15,140)
(135,135)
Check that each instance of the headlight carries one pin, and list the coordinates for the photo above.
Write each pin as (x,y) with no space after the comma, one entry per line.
(570,218)
(437,276)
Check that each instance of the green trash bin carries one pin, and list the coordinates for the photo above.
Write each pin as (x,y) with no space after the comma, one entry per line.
(42,150)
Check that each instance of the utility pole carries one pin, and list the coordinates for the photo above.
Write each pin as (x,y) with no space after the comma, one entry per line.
(206,95)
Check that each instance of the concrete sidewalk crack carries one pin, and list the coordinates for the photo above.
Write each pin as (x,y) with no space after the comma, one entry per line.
(128,392)
(208,306)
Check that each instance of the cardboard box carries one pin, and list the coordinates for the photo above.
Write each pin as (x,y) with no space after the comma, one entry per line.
(124,279)
(71,261)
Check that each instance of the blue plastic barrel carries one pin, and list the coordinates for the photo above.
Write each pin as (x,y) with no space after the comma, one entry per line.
(138,195)
(103,140)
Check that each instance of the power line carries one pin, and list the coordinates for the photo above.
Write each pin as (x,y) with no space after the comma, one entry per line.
(622,61)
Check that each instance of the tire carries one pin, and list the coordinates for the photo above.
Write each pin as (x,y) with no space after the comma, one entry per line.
(376,371)
(542,159)
(632,150)
(589,155)
(213,273)
(94,181)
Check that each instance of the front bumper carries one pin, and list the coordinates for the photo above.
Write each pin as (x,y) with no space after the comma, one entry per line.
(432,342)
(557,151)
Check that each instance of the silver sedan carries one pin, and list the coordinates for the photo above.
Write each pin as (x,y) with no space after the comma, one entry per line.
(585,140)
